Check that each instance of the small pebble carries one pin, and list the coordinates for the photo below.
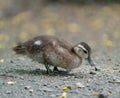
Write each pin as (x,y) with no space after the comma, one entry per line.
(53,96)
(21,77)
(38,70)
(47,89)
(79,85)
(96,69)
(117,64)
(27,87)
(76,91)
(11,61)
(93,73)
(31,90)
(102,96)
(8,92)
(88,80)
(109,59)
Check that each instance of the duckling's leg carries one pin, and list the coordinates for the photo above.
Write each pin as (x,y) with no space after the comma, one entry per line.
(48,69)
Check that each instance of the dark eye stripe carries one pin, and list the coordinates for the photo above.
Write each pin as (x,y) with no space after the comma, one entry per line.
(83,48)
(85,51)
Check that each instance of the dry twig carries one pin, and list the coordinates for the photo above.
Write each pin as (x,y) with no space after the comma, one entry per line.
(114,81)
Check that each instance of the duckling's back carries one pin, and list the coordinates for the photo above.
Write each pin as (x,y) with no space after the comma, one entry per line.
(40,43)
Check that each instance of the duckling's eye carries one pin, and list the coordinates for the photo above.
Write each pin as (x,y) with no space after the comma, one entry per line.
(85,51)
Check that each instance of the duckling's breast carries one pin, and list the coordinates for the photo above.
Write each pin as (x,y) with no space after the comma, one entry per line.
(65,60)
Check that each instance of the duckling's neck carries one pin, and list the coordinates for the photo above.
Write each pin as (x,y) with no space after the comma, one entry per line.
(73,51)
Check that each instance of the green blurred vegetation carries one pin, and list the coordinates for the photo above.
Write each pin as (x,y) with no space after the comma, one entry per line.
(92,21)
(11,7)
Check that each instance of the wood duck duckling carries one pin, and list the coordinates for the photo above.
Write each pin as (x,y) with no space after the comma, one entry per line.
(50,50)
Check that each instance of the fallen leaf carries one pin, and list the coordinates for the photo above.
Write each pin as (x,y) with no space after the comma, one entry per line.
(63,95)
(1,60)
(114,81)
(66,88)
(11,82)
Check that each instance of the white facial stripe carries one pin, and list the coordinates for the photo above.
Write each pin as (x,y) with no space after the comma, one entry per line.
(38,42)
(82,47)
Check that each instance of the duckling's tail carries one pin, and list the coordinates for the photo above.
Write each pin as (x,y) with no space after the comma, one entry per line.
(19,49)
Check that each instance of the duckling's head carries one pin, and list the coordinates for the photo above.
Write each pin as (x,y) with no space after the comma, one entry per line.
(83,50)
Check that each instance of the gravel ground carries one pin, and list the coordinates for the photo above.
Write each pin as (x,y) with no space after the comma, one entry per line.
(32,83)
(18,75)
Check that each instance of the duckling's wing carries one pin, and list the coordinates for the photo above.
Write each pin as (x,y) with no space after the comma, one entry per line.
(54,40)
(64,44)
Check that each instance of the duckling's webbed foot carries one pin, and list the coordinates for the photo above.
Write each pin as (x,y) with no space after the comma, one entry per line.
(55,69)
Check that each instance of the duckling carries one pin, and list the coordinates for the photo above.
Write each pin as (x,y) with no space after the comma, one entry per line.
(51,50)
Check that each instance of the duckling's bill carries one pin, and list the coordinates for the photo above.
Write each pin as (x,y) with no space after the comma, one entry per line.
(90,60)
